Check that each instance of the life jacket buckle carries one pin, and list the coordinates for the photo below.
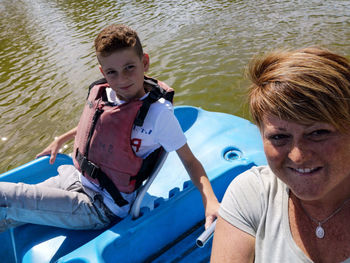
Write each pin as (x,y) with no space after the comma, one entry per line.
(89,168)
(94,171)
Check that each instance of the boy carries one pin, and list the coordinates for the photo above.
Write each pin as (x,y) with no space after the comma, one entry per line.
(81,198)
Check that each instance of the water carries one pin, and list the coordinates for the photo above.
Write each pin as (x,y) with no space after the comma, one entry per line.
(200,48)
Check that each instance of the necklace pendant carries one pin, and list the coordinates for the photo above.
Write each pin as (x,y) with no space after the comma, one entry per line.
(319,231)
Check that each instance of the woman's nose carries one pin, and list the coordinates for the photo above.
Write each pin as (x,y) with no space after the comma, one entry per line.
(299,153)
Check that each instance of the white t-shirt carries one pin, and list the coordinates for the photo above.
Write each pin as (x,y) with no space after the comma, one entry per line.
(256,202)
(160,128)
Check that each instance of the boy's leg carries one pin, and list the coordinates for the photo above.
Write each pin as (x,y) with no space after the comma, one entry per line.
(59,201)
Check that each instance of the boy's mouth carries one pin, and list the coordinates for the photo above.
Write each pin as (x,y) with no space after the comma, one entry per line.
(125,87)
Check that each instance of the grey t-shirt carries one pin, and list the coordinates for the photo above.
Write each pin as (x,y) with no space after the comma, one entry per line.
(257,203)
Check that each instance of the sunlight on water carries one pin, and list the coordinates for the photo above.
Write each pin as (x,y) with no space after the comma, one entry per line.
(199,47)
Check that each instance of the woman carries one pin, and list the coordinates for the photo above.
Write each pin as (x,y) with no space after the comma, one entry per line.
(296,209)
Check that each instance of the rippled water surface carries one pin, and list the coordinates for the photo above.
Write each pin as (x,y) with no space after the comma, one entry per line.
(199,47)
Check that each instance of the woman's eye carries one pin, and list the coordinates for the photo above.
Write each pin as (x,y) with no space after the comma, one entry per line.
(278,139)
(319,134)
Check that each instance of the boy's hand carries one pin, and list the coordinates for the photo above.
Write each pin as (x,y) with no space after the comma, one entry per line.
(51,150)
(56,145)
(211,213)
(201,181)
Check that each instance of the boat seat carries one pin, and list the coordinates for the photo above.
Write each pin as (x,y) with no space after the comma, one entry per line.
(136,206)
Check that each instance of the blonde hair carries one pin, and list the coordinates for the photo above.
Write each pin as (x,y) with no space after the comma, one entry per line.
(310,84)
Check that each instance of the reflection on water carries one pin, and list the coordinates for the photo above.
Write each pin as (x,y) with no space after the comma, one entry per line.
(198,47)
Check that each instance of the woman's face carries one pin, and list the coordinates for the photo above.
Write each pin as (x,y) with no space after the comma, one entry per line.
(313,160)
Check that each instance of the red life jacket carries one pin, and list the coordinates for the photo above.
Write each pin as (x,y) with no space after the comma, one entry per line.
(102,146)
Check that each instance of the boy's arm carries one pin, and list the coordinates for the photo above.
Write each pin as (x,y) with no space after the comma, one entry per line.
(54,147)
(201,181)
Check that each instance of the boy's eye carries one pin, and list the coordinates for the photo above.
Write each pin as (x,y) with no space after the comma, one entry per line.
(129,67)
(110,72)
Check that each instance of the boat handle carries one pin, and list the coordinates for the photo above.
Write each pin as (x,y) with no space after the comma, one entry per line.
(206,235)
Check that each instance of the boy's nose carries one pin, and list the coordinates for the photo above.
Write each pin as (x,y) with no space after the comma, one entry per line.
(121,78)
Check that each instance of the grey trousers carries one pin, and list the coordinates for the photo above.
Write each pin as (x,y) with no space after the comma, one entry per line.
(60,201)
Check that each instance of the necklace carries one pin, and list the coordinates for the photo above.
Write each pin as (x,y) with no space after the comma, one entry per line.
(319,229)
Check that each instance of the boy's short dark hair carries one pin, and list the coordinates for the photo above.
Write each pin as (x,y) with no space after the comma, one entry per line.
(117,37)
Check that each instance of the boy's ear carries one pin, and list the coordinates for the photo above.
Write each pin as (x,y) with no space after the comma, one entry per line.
(145,61)
(99,66)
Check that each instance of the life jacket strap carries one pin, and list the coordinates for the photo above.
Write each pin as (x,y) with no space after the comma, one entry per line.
(155,94)
(95,172)
(97,82)
(148,165)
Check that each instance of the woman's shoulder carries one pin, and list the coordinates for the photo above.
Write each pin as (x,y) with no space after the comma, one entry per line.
(246,200)
(257,183)
(261,176)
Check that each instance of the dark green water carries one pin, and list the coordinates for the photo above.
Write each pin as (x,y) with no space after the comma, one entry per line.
(200,48)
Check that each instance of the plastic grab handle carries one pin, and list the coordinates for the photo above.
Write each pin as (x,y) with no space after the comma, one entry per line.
(206,235)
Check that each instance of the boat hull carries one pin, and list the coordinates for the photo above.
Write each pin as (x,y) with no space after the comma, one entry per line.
(172,210)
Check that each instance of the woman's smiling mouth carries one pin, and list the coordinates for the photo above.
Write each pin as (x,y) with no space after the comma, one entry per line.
(305,171)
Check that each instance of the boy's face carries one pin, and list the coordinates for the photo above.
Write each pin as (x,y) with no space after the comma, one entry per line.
(124,72)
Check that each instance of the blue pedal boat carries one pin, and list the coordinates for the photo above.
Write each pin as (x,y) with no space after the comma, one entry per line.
(169,215)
